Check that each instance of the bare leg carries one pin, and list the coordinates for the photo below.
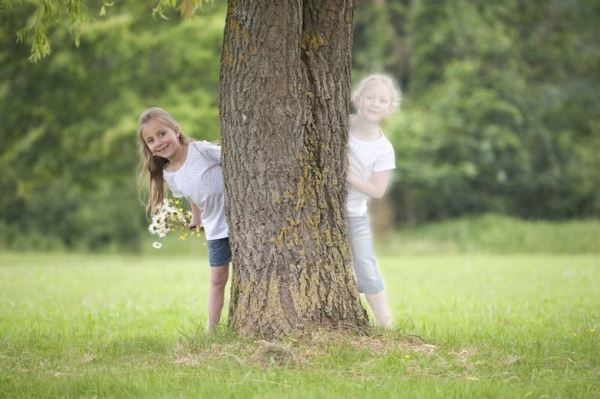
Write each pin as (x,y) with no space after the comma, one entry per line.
(381,310)
(216,294)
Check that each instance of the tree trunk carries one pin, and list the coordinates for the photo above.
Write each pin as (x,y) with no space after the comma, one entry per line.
(285,79)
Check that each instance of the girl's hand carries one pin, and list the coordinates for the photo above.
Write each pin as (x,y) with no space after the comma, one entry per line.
(194,225)
(351,178)
(196,222)
(352,170)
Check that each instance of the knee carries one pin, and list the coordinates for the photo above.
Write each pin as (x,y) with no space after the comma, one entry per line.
(218,278)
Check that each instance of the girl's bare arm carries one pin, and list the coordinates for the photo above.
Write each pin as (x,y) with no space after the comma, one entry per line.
(375,187)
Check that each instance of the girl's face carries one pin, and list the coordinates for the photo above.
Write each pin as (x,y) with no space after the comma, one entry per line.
(162,140)
(375,102)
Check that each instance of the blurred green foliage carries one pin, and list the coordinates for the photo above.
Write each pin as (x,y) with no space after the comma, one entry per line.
(69,122)
(501,110)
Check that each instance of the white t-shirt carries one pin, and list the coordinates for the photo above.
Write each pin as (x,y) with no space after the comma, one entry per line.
(367,157)
(200,180)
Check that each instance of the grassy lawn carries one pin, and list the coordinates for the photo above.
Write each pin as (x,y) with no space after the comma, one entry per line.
(466,326)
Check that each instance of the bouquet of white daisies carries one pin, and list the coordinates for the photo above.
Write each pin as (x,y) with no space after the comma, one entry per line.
(170,217)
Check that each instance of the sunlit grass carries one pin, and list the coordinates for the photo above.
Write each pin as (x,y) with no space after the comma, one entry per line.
(498,234)
(466,326)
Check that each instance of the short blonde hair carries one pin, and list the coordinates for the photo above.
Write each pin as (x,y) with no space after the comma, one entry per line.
(387,80)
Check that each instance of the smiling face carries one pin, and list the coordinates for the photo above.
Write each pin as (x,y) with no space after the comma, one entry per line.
(375,102)
(161,139)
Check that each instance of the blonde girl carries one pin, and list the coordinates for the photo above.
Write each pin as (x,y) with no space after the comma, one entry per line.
(190,169)
(371,161)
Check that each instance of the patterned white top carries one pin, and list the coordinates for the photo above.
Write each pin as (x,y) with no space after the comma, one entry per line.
(200,180)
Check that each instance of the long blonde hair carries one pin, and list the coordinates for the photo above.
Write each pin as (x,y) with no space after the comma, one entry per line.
(153,166)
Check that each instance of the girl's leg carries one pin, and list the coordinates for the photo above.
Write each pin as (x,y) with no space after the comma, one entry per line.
(380,308)
(216,294)
(365,267)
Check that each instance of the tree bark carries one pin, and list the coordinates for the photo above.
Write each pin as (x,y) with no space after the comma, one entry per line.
(284,103)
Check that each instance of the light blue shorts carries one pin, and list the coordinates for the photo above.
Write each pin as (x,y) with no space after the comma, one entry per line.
(219,252)
(361,242)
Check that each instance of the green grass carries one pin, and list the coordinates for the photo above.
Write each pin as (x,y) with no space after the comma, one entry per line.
(498,234)
(502,326)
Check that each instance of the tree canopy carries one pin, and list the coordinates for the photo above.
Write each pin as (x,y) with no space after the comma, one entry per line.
(500,113)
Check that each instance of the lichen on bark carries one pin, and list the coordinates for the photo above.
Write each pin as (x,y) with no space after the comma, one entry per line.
(284,166)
